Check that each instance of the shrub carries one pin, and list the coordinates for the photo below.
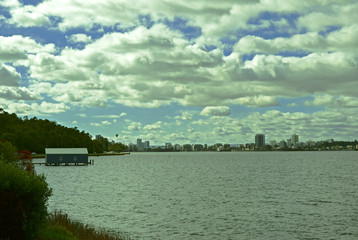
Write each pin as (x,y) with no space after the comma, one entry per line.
(7,151)
(56,232)
(23,202)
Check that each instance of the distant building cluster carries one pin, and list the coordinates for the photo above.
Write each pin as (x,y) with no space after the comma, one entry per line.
(140,146)
(260,144)
(292,142)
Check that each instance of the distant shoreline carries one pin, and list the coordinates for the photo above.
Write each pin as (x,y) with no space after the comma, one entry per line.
(36,156)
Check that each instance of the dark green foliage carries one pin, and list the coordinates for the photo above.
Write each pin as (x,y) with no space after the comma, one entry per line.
(7,152)
(23,202)
(36,134)
(118,147)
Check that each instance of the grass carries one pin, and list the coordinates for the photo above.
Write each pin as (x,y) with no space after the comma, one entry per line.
(60,227)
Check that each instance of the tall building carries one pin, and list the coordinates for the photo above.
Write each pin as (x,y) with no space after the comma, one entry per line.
(259,140)
(289,142)
(146,144)
(283,144)
(139,143)
(294,139)
(131,147)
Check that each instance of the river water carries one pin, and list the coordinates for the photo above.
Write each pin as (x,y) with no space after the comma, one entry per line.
(213,195)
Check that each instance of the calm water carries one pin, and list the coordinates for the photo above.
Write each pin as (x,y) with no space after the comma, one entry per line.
(267,195)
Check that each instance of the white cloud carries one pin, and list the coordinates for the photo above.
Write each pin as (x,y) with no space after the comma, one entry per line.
(10,3)
(76,38)
(185,115)
(258,101)
(154,126)
(334,101)
(340,40)
(337,14)
(27,16)
(216,111)
(134,126)
(9,76)
(123,114)
(156,65)
(106,123)
(18,47)
(18,93)
(44,108)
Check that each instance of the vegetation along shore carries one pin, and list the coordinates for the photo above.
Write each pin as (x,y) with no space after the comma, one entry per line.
(24,194)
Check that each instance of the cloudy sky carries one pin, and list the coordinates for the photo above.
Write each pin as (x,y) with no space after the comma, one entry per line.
(202,71)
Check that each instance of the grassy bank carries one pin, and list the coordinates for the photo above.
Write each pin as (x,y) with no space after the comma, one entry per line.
(60,227)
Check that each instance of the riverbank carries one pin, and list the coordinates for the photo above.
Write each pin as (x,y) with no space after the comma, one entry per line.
(60,227)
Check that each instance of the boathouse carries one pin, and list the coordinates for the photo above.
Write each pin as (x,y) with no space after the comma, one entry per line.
(66,156)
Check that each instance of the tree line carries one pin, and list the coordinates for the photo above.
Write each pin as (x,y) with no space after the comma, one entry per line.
(35,134)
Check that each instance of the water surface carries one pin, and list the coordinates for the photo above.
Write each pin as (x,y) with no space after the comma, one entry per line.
(211,195)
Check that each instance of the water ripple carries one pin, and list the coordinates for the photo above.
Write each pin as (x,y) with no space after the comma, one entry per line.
(305,195)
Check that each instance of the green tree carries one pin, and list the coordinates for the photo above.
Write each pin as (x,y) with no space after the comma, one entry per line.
(118,147)
(7,152)
(23,196)
(97,146)
(23,202)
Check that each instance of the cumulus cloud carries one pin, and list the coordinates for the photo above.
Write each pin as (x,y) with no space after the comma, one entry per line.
(154,126)
(339,40)
(134,126)
(185,115)
(44,108)
(20,93)
(76,38)
(9,76)
(123,114)
(320,20)
(334,101)
(156,66)
(258,101)
(216,111)
(106,123)
(155,63)
(18,47)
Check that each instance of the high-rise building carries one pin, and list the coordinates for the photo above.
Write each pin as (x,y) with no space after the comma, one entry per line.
(139,143)
(294,139)
(289,142)
(283,144)
(259,140)
(146,144)
(131,147)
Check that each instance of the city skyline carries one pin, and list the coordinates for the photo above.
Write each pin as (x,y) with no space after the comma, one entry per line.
(184,72)
(259,141)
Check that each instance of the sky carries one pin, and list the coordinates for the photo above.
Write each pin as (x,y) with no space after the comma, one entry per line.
(200,71)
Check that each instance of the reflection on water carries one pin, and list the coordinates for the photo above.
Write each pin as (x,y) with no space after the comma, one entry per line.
(235,195)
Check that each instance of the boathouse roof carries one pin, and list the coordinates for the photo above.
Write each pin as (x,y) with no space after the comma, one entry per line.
(66,151)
